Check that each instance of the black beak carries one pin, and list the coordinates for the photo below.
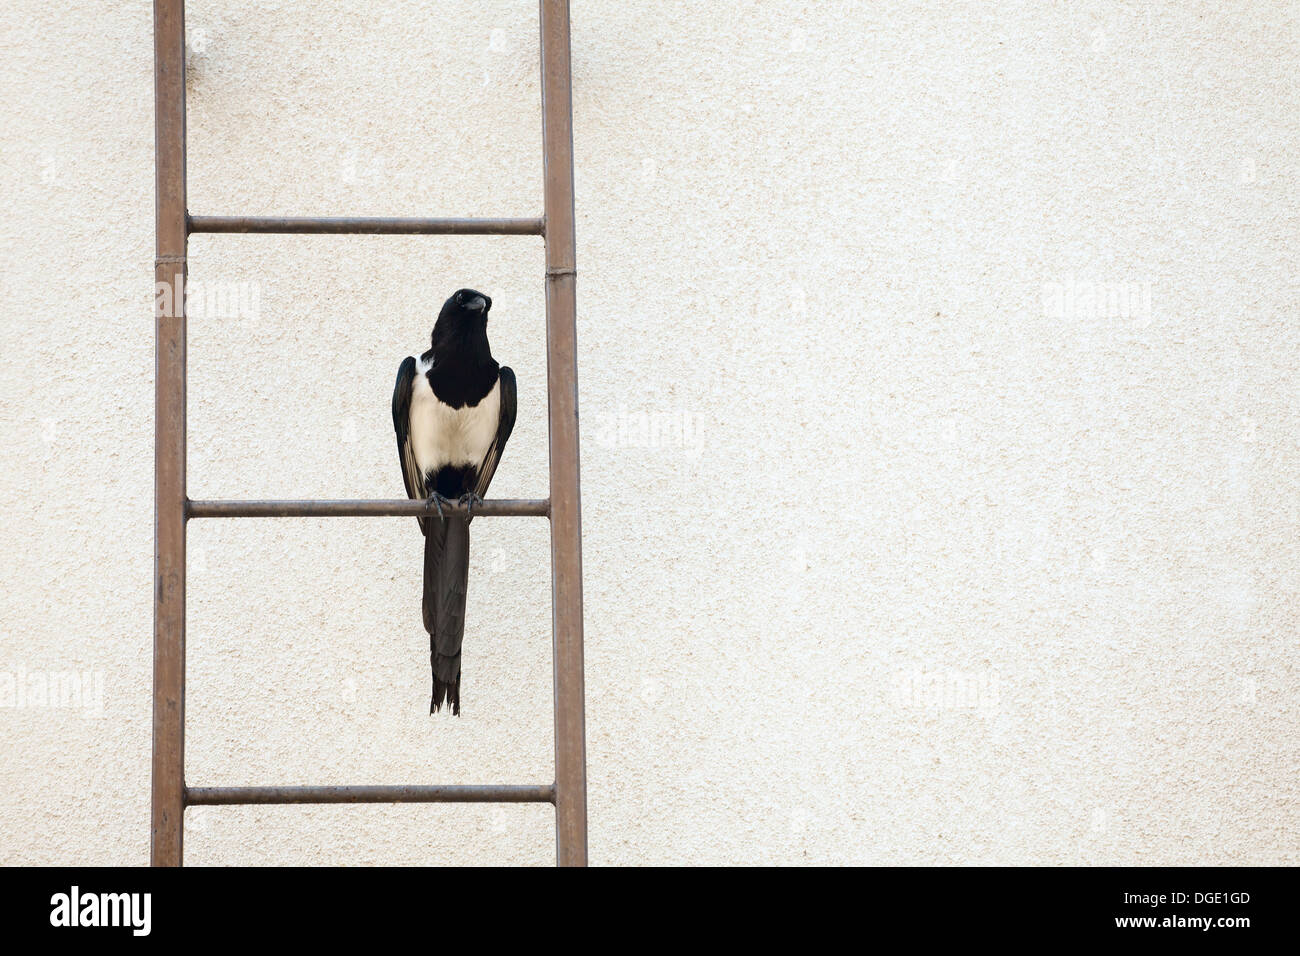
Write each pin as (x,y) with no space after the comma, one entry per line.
(478,304)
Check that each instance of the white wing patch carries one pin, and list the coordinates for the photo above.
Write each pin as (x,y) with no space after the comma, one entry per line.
(442,435)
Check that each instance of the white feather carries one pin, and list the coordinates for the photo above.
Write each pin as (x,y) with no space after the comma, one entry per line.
(442,435)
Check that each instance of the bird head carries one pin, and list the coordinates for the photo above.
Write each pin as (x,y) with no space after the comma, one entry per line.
(462,323)
(466,306)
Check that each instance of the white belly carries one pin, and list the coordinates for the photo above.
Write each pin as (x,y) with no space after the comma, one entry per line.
(442,435)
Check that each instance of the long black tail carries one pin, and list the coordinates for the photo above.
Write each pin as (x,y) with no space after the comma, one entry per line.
(446,574)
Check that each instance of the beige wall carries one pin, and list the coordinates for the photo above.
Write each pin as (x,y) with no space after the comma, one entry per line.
(901,546)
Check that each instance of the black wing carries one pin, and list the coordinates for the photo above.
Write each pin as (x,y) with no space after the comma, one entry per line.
(505,425)
(411,476)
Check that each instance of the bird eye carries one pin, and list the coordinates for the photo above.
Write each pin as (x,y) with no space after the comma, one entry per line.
(460,298)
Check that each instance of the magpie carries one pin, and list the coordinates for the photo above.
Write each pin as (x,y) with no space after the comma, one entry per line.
(453,411)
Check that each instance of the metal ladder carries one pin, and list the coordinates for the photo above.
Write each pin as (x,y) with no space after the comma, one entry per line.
(173,508)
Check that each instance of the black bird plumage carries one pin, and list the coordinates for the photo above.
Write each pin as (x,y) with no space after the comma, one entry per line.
(453,411)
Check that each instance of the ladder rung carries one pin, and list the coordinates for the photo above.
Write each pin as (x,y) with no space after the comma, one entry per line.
(405,507)
(491,793)
(369,226)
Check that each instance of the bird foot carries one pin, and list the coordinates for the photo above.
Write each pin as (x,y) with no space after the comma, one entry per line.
(436,501)
(469,500)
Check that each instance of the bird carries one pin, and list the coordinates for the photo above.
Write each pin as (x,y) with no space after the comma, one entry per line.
(453,411)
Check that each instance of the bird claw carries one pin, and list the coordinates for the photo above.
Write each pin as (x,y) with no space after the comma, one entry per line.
(437,501)
(469,500)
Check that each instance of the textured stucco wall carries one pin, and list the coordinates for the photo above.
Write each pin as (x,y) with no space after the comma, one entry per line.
(899,548)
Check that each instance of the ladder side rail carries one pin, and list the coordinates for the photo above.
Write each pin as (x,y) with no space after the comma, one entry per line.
(170,271)
(562,402)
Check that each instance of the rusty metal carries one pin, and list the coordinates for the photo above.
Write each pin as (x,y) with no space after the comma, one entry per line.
(493,507)
(172,507)
(498,793)
(562,393)
(368,226)
(168,786)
